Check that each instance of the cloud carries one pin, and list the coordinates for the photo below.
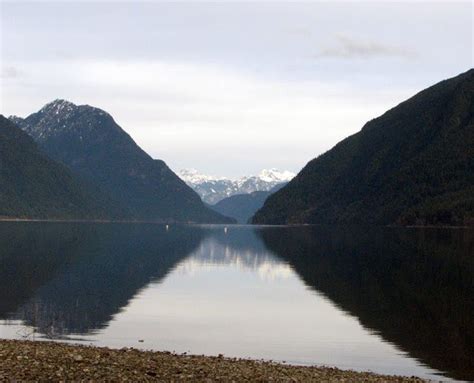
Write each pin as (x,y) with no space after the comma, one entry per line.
(198,114)
(10,72)
(348,47)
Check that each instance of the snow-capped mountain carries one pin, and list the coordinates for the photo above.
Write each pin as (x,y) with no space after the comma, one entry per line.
(213,189)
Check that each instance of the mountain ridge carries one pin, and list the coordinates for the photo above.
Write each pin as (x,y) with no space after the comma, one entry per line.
(413,165)
(242,207)
(90,143)
(213,189)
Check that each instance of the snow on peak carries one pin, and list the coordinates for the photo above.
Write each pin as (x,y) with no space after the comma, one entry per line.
(212,189)
(57,106)
(275,175)
(63,109)
(192,176)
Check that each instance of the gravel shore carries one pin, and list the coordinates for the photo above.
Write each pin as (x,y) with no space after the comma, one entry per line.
(51,361)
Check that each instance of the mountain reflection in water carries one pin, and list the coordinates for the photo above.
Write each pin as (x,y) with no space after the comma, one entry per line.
(240,248)
(411,288)
(414,287)
(73,278)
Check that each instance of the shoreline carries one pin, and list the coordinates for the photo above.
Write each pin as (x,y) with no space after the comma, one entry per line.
(51,220)
(46,360)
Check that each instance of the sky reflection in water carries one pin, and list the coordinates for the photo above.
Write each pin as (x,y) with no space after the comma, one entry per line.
(388,300)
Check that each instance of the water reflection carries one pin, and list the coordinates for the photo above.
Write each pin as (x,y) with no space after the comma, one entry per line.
(206,290)
(238,247)
(413,287)
(73,278)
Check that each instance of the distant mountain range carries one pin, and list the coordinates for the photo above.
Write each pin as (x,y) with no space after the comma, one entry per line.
(414,165)
(98,152)
(214,189)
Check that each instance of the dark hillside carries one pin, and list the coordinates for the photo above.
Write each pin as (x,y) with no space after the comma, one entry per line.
(412,165)
(91,144)
(34,186)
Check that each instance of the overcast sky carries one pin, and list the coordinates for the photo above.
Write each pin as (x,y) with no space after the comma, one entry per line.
(231,88)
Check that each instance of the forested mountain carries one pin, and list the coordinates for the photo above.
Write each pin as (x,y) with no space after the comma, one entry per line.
(34,186)
(412,165)
(94,147)
(242,207)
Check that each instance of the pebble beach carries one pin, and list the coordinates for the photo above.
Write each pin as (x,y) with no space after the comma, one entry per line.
(52,361)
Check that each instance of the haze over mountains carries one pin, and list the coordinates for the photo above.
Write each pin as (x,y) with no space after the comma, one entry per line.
(89,142)
(213,189)
(412,165)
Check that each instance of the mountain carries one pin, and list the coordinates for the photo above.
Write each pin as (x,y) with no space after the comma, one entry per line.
(95,148)
(242,207)
(214,189)
(34,186)
(412,165)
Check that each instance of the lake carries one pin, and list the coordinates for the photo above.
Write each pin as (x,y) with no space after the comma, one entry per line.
(389,300)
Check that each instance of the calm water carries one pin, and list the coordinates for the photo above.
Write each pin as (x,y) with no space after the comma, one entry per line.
(396,301)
